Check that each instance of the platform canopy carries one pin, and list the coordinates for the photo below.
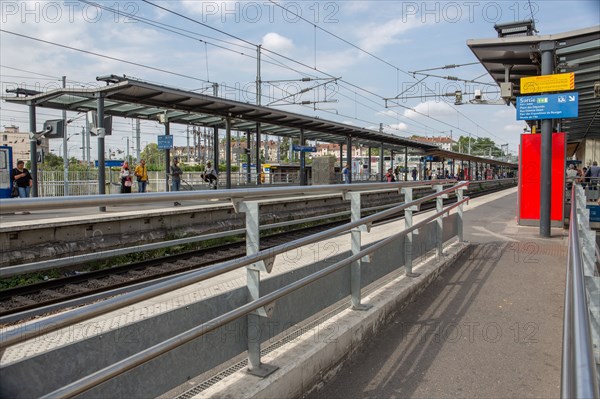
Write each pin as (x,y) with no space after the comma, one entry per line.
(578,51)
(129,98)
(468,158)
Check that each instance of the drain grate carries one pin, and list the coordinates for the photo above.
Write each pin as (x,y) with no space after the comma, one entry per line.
(268,349)
(189,394)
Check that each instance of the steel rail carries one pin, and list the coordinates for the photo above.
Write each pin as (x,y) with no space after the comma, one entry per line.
(53,323)
(105,374)
(578,373)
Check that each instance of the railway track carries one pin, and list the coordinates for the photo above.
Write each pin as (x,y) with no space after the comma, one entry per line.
(42,294)
(26,299)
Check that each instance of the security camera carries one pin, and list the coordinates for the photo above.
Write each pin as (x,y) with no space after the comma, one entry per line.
(54,128)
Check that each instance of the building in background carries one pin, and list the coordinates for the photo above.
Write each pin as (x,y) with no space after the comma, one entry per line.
(19,141)
(445,143)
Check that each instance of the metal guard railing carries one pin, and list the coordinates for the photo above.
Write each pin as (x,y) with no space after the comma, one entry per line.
(37,266)
(59,321)
(578,373)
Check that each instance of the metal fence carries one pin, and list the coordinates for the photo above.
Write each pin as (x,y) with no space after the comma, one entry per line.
(257,262)
(51,183)
(579,376)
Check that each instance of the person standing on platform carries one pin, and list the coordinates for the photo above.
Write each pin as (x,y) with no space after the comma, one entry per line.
(22,178)
(583,179)
(141,172)
(175,175)
(571,176)
(175,178)
(389,176)
(126,180)
(413,173)
(346,174)
(593,173)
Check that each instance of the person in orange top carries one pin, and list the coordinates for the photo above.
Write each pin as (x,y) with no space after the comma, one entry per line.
(141,172)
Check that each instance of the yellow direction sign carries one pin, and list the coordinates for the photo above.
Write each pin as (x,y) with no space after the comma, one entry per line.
(540,84)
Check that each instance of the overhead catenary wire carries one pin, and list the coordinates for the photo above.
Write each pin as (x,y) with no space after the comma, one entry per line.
(295,61)
(114,58)
(104,56)
(178,31)
(290,59)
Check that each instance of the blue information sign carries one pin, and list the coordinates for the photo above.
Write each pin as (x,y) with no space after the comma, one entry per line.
(110,163)
(303,148)
(548,106)
(165,142)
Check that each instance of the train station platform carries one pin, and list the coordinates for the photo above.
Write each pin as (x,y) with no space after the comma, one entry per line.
(489,326)
(485,324)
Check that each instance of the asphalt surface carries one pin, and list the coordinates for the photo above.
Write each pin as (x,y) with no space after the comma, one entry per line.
(489,327)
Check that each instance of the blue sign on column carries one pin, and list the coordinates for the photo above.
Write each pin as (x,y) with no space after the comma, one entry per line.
(110,163)
(165,142)
(303,148)
(548,106)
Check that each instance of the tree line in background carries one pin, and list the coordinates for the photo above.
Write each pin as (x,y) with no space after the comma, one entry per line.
(480,146)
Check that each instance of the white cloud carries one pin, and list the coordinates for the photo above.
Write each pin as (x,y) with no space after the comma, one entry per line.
(336,61)
(374,36)
(430,108)
(398,126)
(506,112)
(278,43)
(514,128)
(210,8)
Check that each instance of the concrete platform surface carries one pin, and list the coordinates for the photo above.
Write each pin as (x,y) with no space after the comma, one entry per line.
(489,327)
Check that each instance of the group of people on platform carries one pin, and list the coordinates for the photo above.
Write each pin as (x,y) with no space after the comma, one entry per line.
(587,176)
(393,175)
(140,173)
(22,180)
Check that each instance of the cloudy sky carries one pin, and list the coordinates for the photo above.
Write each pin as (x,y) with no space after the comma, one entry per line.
(372,47)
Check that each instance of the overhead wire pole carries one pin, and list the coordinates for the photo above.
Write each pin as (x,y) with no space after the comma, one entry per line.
(83,129)
(137,140)
(167,153)
(33,149)
(469,143)
(215,144)
(65,149)
(187,131)
(101,163)
(258,101)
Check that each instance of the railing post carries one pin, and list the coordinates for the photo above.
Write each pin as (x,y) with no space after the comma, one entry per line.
(439,206)
(408,239)
(355,244)
(459,197)
(255,367)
